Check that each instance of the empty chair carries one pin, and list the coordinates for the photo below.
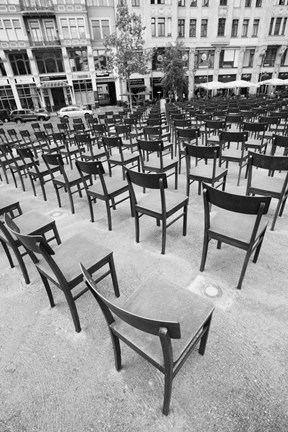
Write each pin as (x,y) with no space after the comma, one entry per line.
(103,187)
(279,143)
(237,221)
(152,159)
(3,137)
(65,179)
(60,265)
(117,156)
(273,124)
(268,176)
(185,137)
(212,130)
(42,141)
(160,203)
(33,223)
(157,133)
(209,172)
(233,149)
(9,160)
(88,148)
(125,133)
(161,322)
(14,139)
(256,139)
(234,121)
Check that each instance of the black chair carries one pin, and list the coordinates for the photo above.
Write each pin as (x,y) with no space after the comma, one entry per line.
(160,203)
(117,156)
(186,137)
(233,149)
(237,221)
(161,322)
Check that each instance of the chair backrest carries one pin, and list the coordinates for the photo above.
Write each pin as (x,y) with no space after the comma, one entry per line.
(27,156)
(48,127)
(202,152)
(78,127)
(270,120)
(93,169)
(238,137)
(112,142)
(215,125)
(268,162)
(99,129)
(63,127)
(235,203)
(190,134)
(254,127)
(147,325)
(25,135)
(41,136)
(78,120)
(234,118)
(150,181)
(54,160)
(145,147)
(279,141)
(182,123)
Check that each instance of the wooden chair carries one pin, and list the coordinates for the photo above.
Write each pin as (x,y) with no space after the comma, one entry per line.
(211,173)
(233,149)
(60,265)
(9,160)
(185,137)
(33,223)
(265,178)
(238,222)
(156,133)
(273,124)
(212,130)
(279,142)
(125,133)
(65,179)
(28,141)
(117,156)
(159,203)
(161,322)
(158,163)
(256,140)
(104,188)
(90,148)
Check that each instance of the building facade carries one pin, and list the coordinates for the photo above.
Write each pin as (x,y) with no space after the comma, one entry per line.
(52,53)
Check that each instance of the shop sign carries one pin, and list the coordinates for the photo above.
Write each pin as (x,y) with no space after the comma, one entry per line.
(137,82)
(226,78)
(283,75)
(50,78)
(101,74)
(81,76)
(199,79)
(246,77)
(26,80)
(157,80)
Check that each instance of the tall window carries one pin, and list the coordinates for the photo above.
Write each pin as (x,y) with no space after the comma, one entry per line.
(100,60)
(20,63)
(181,28)
(247,3)
(135,2)
(10,30)
(100,29)
(153,27)
(161,26)
(223,2)
(277,26)
(248,58)
(204,25)
(192,28)
(205,3)
(258,3)
(234,31)
(271,26)
(245,27)
(255,27)
(193,3)
(73,28)
(284,26)
(49,62)
(270,56)
(2,69)
(78,59)
(181,3)
(221,26)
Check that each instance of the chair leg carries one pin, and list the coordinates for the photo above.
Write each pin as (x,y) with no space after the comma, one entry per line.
(90,202)
(117,351)
(73,309)
(71,200)
(114,276)
(137,227)
(6,249)
(258,248)
(204,338)
(48,289)
(243,271)
(43,188)
(57,194)
(109,215)
(204,252)
(164,231)
(185,214)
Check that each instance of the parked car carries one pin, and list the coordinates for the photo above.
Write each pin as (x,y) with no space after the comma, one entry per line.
(4,116)
(74,111)
(24,115)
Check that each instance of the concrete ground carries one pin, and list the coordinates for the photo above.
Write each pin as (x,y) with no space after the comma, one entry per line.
(55,380)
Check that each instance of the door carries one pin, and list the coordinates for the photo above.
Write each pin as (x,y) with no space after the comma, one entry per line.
(58,98)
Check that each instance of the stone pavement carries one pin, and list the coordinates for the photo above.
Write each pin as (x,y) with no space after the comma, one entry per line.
(54,380)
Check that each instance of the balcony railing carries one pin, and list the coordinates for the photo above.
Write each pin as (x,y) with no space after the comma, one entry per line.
(36,5)
(44,42)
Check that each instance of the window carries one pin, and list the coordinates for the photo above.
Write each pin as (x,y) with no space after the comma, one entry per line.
(161,26)
(157,1)
(223,2)
(99,2)
(73,28)
(221,26)
(28,96)
(270,56)
(2,69)
(50,30)
(20,63)
(258,3)
(78,59)
(192,28)
(248,58)
(181,27)
(281,2)
(193,3)
(205,3)
(247,3)
(245,27)
(7,100)
(234,31)
(83,90)
(100,29)
(204,25)
(135,2)
(49,62)
(10,30)
(153,27)
(277,26)
(255,27)
(271,26)
(284,58)
(229,58)
(181,3)
(284,26)
(204,58)
(100,60)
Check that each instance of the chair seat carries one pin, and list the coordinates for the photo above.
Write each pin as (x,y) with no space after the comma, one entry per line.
(264,183)
(154,163)
(255,143)
(213,138)
(69,254)
(33,222)
(233,153)
(73,176)
(236,225)
(126,157)
(151,201)
(168,303)
(113,185)
(206,171)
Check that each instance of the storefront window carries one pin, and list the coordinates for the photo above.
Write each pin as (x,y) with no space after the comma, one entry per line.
(49,62)
(7,100)
(78,59)
(83,92)
(28,96)
(20,63)
(100,60)
(2,69)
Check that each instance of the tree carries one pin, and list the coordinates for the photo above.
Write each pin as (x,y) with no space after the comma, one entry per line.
(125,46)
(172,64)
